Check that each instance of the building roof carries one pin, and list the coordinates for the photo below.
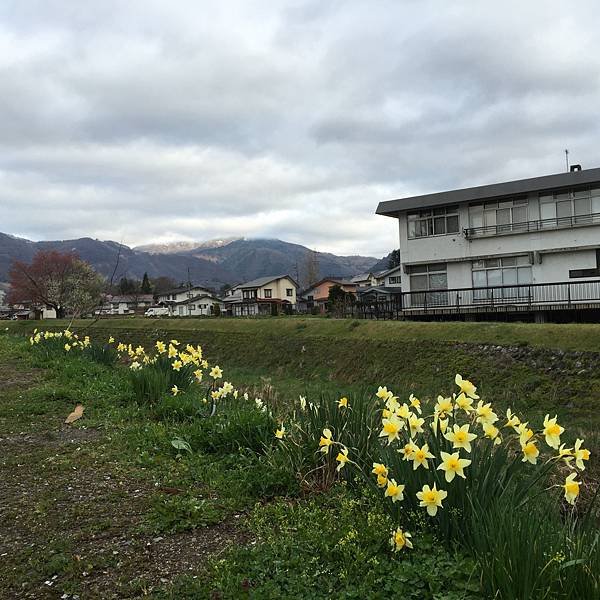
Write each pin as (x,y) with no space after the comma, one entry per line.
(181,290)
(388,271)
(380,289)
(390,208)
(256,283)
(194,299)
(362,277)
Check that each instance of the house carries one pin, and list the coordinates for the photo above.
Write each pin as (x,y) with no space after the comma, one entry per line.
(364,280)
(262,296)
(390,278)
(125,304)
(201,305)
(317,295)
(181,293)
(529,245)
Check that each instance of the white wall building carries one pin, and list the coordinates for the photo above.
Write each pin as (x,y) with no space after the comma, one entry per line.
(503,242)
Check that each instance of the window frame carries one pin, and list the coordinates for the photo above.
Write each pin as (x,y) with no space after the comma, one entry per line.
(425,220)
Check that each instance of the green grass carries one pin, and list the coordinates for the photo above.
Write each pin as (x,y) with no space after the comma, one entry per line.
(250,528)
(574,336)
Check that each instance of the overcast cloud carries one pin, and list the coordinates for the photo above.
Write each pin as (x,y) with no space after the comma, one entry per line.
(146,121)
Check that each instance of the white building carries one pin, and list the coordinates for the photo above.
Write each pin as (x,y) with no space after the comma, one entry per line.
(532,241)
(201,305)
(182,293)
(263,296)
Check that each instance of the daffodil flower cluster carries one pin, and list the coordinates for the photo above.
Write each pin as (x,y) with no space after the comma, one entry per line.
(454,425)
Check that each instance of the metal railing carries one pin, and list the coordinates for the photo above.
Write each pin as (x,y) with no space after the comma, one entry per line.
(532,226)
(534,296)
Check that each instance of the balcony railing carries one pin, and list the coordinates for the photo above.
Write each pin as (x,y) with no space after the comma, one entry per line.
(532,226)
(524,297)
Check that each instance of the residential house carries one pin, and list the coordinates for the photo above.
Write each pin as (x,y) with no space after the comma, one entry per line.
(262,296)
(201,305)
(529,245)
(364,280)
(316,296)
(114,305)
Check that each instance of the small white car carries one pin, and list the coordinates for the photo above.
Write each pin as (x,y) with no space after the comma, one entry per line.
(157,311)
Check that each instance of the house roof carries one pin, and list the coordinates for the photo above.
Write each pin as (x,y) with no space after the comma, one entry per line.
(380,289)
(334,280)
(181,290)
(389,271)
(390,208)
(361,277)
(195,299)
(259,282)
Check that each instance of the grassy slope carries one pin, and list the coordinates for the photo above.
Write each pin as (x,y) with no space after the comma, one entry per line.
(310,355)
(574,336)
(106,508)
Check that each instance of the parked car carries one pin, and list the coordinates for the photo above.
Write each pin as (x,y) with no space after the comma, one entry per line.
(157,311)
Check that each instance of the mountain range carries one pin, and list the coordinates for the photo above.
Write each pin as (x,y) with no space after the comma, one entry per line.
(214,264)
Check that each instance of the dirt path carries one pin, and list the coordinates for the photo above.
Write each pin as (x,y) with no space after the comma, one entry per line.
(72,517)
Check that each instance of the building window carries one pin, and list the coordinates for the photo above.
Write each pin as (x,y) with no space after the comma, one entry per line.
(394,280)
(574,206)
(268,293)
(436,221)
(249,294)
(192,307)
(428,284)
(289,292)
(503,271)
(501,214)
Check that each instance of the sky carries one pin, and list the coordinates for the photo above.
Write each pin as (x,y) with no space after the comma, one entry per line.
(152,121)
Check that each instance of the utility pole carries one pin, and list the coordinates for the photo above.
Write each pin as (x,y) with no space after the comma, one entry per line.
(189,293)
(567,158)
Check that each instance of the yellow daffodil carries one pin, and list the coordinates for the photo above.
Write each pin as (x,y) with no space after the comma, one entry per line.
(177,364)
(216,372)
(381,471)
(512,420)
(172,351)
(453,464)
(463,402)
(198,375)
(226,388)
(325,441)
(343,402)
(415,403)
(460,437)
(67,347)
(175,390)
(111,340)
(565,454)
(161,347)
(552,432)
(383,393)
(391,429)
(415,424)
(279,433)
(466,387)
(121,347)
(342,458)
(420,457)
(525,434)
(571,488)
(431,499)
(408,450)
(443,406)
(174,342)
(394,491)
(492,432)
(302,403)
(400,539)
(403,411)
(580,454)
(485,414)
(259,404)
(530,452)
(216,394)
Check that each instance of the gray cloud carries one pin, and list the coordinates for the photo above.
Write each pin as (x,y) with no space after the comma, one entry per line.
(153,121)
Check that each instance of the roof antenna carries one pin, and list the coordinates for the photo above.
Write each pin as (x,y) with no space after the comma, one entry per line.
(567,158)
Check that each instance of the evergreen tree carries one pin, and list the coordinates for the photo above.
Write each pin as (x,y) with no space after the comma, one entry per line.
(394,259)
(146,287)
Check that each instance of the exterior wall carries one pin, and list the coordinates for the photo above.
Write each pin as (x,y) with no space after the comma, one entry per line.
(278,290)
(554,251)
(321,292)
